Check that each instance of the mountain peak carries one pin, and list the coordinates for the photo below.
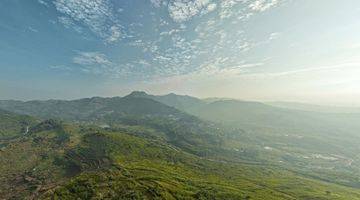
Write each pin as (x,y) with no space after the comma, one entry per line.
(138,94)
(172,94)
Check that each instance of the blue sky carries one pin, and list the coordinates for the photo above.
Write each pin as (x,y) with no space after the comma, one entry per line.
(289,50)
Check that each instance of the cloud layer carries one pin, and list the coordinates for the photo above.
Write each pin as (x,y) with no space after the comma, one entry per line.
(183,10)
(194,36)
(97,15)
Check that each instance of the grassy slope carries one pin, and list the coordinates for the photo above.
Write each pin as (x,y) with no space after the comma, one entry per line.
(27,162)
(12,125)
(89,162)
(147,169)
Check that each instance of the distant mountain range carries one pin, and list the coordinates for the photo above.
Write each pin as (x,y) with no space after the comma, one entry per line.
(92,108)
(181,102)
(315,108)
(181,107)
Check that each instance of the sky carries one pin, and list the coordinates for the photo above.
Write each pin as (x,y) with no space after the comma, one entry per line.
(263,50)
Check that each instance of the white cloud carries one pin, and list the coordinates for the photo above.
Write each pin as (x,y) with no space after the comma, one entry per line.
(226,8)
(326,68)
(220,67)
(97,15)
(187,55)
(183,10)
(60,68)
(174,52)
(33,29)
(211,7)
(244,9)
(69,23)
(142,62)
(114,34)
(91,58)
(66,21)
(43,2)
(274,36)
(263,5)
(170,32)
(98,64)
(156,3)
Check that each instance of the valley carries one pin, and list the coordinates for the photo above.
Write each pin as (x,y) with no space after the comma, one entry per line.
(145,146)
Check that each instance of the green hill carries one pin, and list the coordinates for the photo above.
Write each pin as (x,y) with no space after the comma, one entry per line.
(65,161)
(321,144)
(12,125)
(136,147)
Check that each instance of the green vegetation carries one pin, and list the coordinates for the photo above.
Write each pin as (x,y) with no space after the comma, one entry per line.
(138,148)
(12,125)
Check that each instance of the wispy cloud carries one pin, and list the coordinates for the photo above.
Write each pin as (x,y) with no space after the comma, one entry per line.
(244,9)
(184,55)
(274,36)
(69,23)
(218,67)
(43,2)
(184,10)
(91,58)
(95,63)
(97,15)
(33,29)
(326,68)
(173,52)
(226,8)
(262,5)
(61,68)
(99,64)
(157,3)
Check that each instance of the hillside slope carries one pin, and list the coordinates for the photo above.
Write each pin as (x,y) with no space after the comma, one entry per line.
(12,125)
(321,144)
(66,161)
(247,145)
